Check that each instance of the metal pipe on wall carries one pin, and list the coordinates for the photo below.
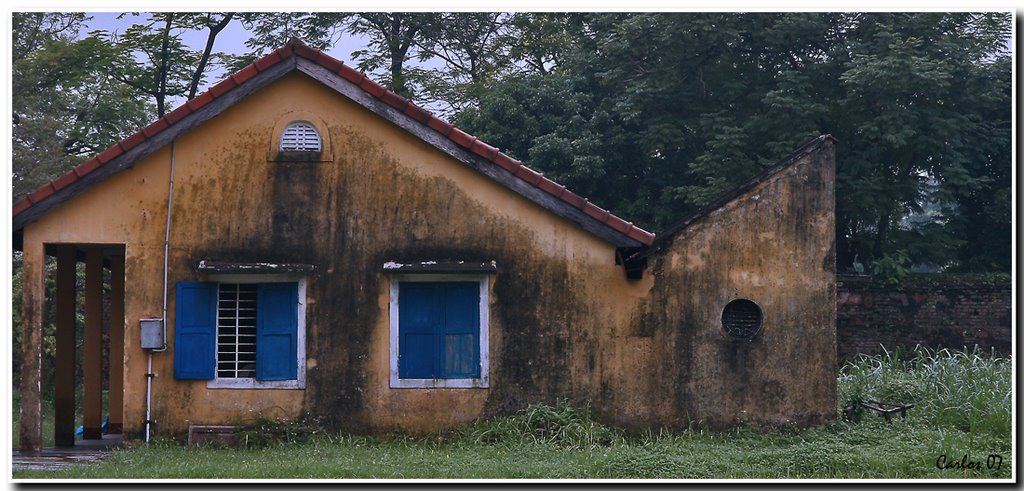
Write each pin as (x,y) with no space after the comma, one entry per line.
(167,244)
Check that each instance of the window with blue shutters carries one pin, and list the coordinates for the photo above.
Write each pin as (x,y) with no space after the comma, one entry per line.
(439,331)
(241,335)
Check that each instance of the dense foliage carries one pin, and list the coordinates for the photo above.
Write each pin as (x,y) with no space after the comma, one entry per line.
(650,114)
(655,115)
(66,105)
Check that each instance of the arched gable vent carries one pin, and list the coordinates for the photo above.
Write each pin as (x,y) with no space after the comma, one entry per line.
(300,136)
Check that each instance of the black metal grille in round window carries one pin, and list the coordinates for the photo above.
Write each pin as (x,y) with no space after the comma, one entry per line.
(741,318)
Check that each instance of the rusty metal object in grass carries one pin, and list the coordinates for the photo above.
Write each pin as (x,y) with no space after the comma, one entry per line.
(879,407)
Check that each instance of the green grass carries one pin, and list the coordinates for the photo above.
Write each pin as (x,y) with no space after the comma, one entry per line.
(962,408)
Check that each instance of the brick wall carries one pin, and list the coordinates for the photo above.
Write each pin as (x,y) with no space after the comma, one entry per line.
(934,310)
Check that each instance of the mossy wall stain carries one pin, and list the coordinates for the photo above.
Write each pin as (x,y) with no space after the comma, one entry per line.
(348,217)
(564,320)
(785,374)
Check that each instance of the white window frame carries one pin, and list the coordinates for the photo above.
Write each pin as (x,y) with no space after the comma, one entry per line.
(483,381)
(300,336)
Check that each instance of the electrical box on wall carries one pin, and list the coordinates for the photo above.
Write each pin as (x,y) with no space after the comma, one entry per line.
(152,333)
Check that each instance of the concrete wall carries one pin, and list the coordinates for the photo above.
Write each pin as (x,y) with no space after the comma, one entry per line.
(773,245)
(932,310)
(564,320)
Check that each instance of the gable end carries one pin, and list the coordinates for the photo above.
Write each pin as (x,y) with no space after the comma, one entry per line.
(354,85)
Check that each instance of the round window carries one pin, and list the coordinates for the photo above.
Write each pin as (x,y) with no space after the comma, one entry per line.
(741,318)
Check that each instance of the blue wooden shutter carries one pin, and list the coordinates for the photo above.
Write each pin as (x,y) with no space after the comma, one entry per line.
(419,319)
(195,331)
(459,356)
(276,331)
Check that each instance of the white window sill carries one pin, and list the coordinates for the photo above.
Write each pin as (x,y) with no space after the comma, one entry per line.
(439,383)
(251,383)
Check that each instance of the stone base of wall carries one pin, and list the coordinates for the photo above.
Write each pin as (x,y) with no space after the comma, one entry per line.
(933,310)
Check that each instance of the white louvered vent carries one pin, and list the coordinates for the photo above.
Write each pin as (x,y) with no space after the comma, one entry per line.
(300,136)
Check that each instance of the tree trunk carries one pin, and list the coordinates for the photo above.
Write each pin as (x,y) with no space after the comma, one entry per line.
(198,75)
(161,75)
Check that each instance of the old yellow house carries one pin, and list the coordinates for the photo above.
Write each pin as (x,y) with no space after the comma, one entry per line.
(300,242)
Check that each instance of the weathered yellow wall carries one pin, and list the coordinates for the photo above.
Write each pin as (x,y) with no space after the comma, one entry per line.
(774,245)
(564,321)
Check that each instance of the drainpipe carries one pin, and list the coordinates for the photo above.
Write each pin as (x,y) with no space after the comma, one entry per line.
(167,244)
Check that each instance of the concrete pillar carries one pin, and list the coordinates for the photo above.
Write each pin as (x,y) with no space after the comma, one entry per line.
(64,378)
(33,296)
(92,363)
(115,396)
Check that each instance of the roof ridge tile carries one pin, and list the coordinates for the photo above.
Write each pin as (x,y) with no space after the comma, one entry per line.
(177,114)
(306,52)
(155,127)
(351,74)
(64,180)
(551,187)
(86,167)
(461,138)
(246,73)
(573,199)
(529,175)
(505,162)
(328,62)
(394,100)
(266,61)
(417,113)
(109,154)
(44,191)
(284,52)
(22,205)
(595,212)
(199,101)
(375,89)
(484,150)
(133,140)
(439,125)
(223,87)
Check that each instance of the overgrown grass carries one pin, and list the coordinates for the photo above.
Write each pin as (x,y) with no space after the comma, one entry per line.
(950,389)
(962,408)
(562,425)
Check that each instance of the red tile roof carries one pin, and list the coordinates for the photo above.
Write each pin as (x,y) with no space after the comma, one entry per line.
(403,105)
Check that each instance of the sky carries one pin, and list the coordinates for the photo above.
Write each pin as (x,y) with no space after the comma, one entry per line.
(231,40)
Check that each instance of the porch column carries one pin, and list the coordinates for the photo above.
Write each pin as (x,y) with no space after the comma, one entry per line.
(115,396)
(92,363)
(64,376)
(30,412)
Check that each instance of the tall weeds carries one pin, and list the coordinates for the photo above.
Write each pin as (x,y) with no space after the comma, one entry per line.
(965,390)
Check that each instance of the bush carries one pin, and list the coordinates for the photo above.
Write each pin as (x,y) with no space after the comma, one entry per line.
(562,425)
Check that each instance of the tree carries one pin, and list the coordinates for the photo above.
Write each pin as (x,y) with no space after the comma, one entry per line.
(153,59)
(66,104)
(658,114)
(391,40)
(215,26)
(271,30)
(474,47)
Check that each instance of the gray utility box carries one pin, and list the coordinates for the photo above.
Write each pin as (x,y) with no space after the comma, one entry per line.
(152,333)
